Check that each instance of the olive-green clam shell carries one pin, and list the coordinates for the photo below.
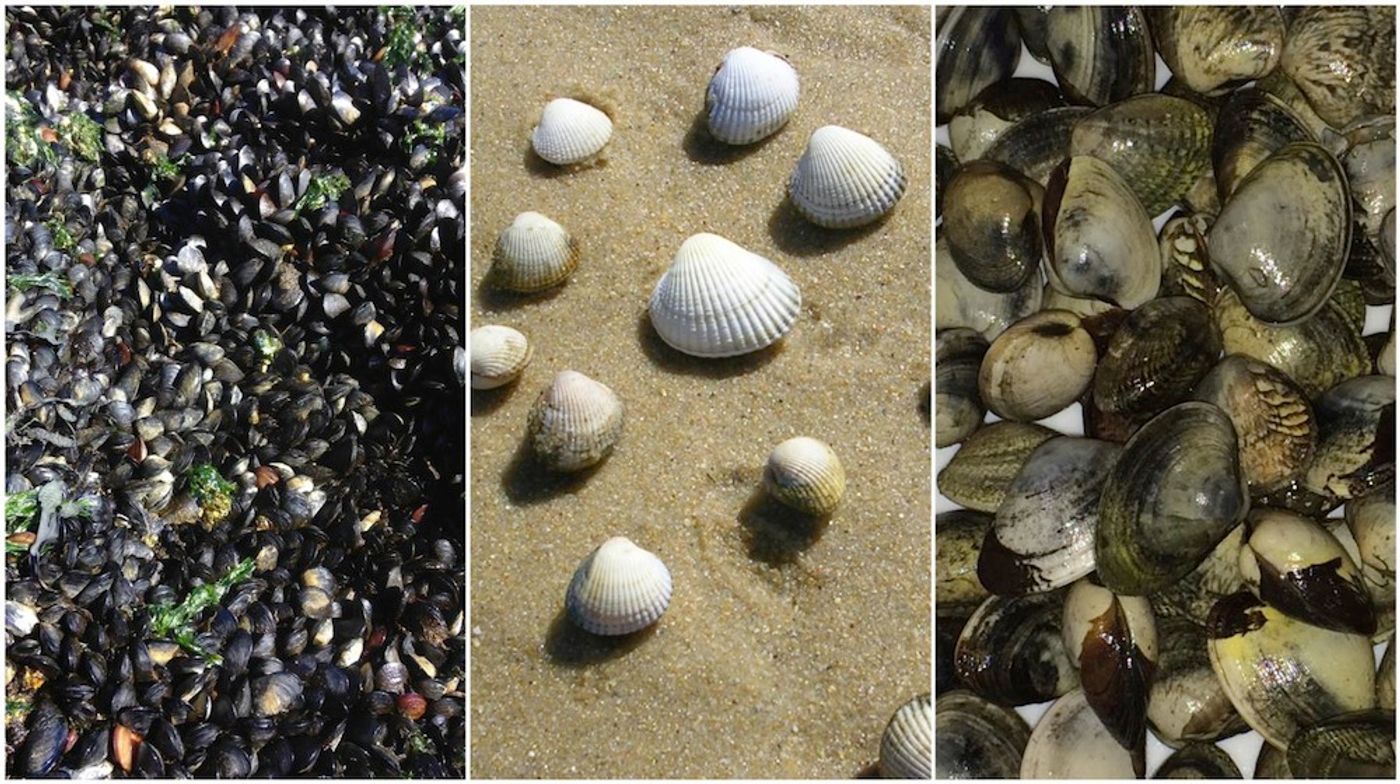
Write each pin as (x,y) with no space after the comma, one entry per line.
(1318,353)
(1272,417)
(1032,20)
(1217,576)
(1343,59)
(1156,357)
(1034,146)
(992,222)
(962,303)
(1211,48)
(977,739)
(958,538)
(977,46)
(1100,54)
(1359,745)
(1187,702)
(1098,239)
(958,407)
(1251,126)
(1159,144)
(1199,761)
(978,124)
(945,163)
(980,472)
(1011,650)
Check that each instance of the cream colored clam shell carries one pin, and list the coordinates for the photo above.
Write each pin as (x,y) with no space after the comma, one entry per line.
(751,96)
(845,179)
(618,589)
(533,254)
(574,423)
(498,355)
(720,300)
(570,131)
(1069,742)
(805,474)
(906,748)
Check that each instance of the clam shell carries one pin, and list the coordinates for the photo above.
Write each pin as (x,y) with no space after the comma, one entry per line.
(1100,54)
(1385,678)
(1356,435)
(958,408)
(1083,307)
(962,303)
(533,254)
(1359,745)
(1371,520)
(957,590)
(845,179)
(991,222)
(977,739)
(1035,145)
(1294,565)
(973,129)
(1037,367)
(1317,353)
(980,472)
(1252,125)
(1156,357)
(1281,239)
(618,589)
(805,474)
(751,96)
(1370,168)
(1160,145)
(1069,742)
(1186,270)
(1272,417)
(1186,702)
(574,423)
(570,132)
(1343,60)
(1283,674)
(976,47)
(943,167)
(1272,763)
(1199,761)
(1217,576)
(1211,48)
(1011,650)
(906,747)
(1032,21)
(1099,240)
(720,300)
(498,355)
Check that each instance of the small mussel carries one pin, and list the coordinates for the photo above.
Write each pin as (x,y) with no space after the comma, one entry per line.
(957,590)
(1156,357)
(991,219)
(1296,566)
(1199,761)
(962,303)
(1356,438)
(1271,415)
(574,423)
(906,747)
(1159,144)
(806,475)
(618,589)
(976,47)
(1069,742)
(1098,239)
(958,407)
(1012,652)
(1213,48)
(1037,367)
(1186,702)
(977,739)
(1359,745)
(1100,54)
(976,126)
(980,472)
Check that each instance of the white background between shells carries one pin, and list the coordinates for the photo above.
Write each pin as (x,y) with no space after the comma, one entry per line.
(1243,748)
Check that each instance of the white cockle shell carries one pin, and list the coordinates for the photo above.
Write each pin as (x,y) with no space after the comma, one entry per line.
(751,96)
(498,355)
(906,748)
(574,423)
(805,474)
(845,179)
(570,131)
(533,253)
(618,589)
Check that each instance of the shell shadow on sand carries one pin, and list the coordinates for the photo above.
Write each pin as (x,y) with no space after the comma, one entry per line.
(486,401)
(527,482)
(776,534)
(673,361)
(496,300)
(703,148)
(565,643)
(798,236)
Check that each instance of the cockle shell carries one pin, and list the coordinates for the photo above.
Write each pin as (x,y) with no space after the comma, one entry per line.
(720,300)
(498,355)
(574,423)
(751,96)
(533,253)
(570,131)
(845,179)
(906,748)
(618,589)
(805,474)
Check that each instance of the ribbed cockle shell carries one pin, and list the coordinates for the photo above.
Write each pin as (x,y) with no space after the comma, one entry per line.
(618,589)
(845,179)
(570,132)
(906,748)
(805,474)
(533,253)
(751,96)
(574,423)
(499,354)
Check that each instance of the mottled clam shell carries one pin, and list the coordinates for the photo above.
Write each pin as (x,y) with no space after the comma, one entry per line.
(958,408)
(1385,678)
(1343,60)
(991,220)
(1317,353)
(1187,703)
(1038,366)
(976,126)
(1272,763)
(980,472)
(1356,436)
(1371,520)
(1032,21)
(1370,168)
(1035,145)
(1252,126)
(1156,357)
(570,132)
(1272,417)
(1100,54)
(1199,761)
(976,47)
(1174,493)
(1186,270)
(977,739)
(1280,85)
(1160,145)
(533,254)
(1296,566)
(1011,650)
(957,591)
(751,96)
(1098,239)
(1069,742)
(1283,674)
(1043,537)
(962,303)
(1212,48)
(845,179)
(574,423)
(944,165)
(1358,745)
(1217,576)
(805,474)
(906,747)
(1281,239)
(720,300)
(618,589)
(498,355)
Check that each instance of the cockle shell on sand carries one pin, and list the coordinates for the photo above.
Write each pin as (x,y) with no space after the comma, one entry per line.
(845,179)
(751,96)
(498,355)
(533,254)
(570,131)
(805,474)
(906,748)
(574,423)
(618,589)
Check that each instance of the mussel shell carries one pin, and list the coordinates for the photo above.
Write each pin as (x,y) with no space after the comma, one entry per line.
(1098,239)
(961,303)
(1160,145)
(980,472)
(1356,438)
(1212,48)
(1035,145)
(1358,745)
(1038,366)
(976,47)
(1317,354)
(973,129)
(1252,125)
(1187,703)
(1069,742)
(1296,566)
(1100,54)
(958,406)
(1011,650)
(957,590)
(991,220)
(1199,761)
(1156,357)
(1342,59)
(977,739)
(1271,415)
(1186,270)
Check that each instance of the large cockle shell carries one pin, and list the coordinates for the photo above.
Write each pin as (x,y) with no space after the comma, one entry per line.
(906,748)
(977,739)
(1272,417)
(1069,742)
(976,47)
(720,300)
(1156,357)
(805,474)
(1356,437)
(1040,365)
(574,423)
(533,254)
(1317,353)
(957,590)
(1187,702)
(992,223)
(1211,48)
(1011,650)
(1098,238)
(998,107)
(957,407)
(570,132)
(1159,144)
(845,179)
(1343,60)
(751,96)
(1359,745)
(1281,239)
(1283,674)
(618,589)
(1175,492)
(1100,54)
(498,355)
(980,472)
(962,303)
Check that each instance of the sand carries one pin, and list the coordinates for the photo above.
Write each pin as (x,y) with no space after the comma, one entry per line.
(784,652)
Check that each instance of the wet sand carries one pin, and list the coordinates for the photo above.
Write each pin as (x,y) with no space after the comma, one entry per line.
(786,648)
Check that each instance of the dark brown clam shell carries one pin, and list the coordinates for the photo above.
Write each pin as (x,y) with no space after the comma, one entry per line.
(1156,357)
(1012,652)
(977,46)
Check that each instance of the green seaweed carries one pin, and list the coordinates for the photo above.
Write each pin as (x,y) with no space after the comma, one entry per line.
(323,189)
(434,135)
(177,621)
(21,510)
(82,134)
(58,230)
(26,281)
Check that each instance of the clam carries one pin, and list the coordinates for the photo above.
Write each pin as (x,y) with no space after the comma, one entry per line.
(1186,702)
(957,590)
(1194,596)
(1385,679)
(618,589)
(1100,54)
(1371,520)
(1317,354)
(1370,168)
(977,739)
(570,132)
(1011,650)
(806,475)
(1043,536)
(1083,307)
(574,423)
(974,127)
(1174,493)
(1385,358)
(1199,761)
(1356,436)
(1385,244)
(720,300)
(958,407)
(943,167)
(1342,59)
(1272,763)
(1031,20)
(991,222)
(1252,125)
(981,471)
(1296,566)
(1284,674)
(1098,239)
(961,303)
(751,95)
(1038,366)
(1158,144)
(1282,237)
(1156,357)
(1186,270)
(533,254)
(498,355)
(906,747)
(1213,48)
(845,179)
(1069,742)
(976,47)
(1035,145)
(1280,85)
(1359,745)
(1271,416)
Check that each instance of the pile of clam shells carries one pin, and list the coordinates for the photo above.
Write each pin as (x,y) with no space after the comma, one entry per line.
(235,375)
(1201,542)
